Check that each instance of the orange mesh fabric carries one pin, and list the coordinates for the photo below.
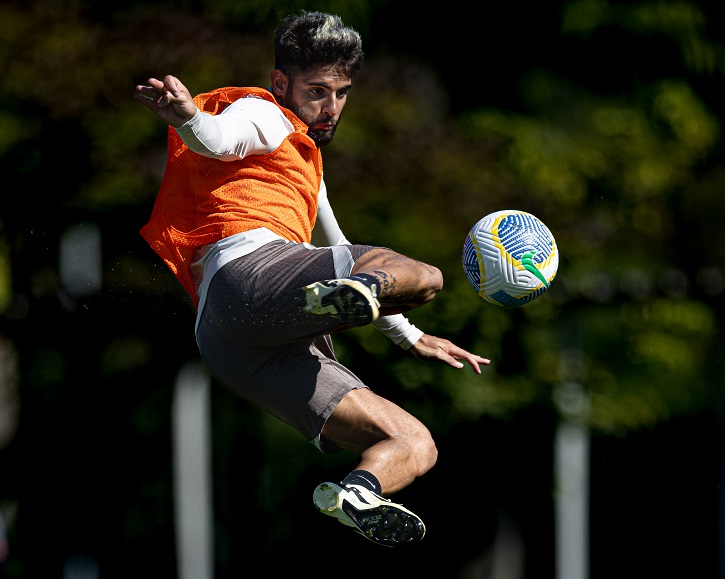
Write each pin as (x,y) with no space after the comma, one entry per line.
(203,200)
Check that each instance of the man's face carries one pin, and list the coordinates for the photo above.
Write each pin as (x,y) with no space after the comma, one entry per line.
(317,96)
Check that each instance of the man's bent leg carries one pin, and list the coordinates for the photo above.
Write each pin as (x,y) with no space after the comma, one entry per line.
(403,283)
(392,444)
(382,282)
(395,448)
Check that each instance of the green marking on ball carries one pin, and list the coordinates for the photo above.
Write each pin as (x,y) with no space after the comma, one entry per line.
(527,260)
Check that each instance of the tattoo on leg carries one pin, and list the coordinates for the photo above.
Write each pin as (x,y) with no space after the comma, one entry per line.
(387,284)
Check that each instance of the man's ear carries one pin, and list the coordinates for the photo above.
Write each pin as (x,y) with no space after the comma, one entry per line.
(280,82)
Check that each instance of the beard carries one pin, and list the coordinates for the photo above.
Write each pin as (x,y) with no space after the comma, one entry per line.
(322,138)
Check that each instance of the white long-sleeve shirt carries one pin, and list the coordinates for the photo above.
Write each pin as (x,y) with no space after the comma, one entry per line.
(254,126)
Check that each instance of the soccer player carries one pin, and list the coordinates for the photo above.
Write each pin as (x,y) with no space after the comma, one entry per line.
(233,219)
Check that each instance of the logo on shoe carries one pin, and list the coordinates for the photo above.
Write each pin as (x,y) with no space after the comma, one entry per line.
(373,519)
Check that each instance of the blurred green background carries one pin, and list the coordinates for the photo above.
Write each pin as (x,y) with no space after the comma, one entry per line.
(602,118)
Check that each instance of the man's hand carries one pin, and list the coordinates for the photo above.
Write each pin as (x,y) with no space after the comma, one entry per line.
(168,99)
(430,348)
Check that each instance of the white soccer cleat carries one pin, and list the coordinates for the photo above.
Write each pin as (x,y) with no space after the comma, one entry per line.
(346,299)
(374,517)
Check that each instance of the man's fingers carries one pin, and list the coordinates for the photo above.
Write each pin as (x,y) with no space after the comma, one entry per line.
(146,93)
(173,85)
(457,357)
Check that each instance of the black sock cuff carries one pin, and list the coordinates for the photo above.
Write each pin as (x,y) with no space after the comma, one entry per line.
(365,479)
(367,279)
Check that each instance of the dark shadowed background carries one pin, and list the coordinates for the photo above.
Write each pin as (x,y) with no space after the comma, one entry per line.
(602,118)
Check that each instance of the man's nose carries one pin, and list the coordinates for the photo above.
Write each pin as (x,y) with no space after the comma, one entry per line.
(332,106)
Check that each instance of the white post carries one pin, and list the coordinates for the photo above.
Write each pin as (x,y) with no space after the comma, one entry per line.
(192,472)
(571,458)
(81,264)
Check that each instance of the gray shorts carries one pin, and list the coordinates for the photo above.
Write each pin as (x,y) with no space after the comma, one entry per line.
(257,340)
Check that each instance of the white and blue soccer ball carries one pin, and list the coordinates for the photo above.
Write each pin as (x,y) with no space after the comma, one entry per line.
(510,258)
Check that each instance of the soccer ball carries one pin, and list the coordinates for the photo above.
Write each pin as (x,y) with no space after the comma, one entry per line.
(510,258)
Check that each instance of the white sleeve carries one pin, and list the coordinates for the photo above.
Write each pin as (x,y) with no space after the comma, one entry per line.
(248,126)
(327,230)
(399,329)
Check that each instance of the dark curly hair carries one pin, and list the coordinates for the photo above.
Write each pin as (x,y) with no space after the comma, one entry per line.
(314,39)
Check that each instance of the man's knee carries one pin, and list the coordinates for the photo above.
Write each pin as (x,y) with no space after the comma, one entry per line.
(425,281)
(424,450)
(431,280)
